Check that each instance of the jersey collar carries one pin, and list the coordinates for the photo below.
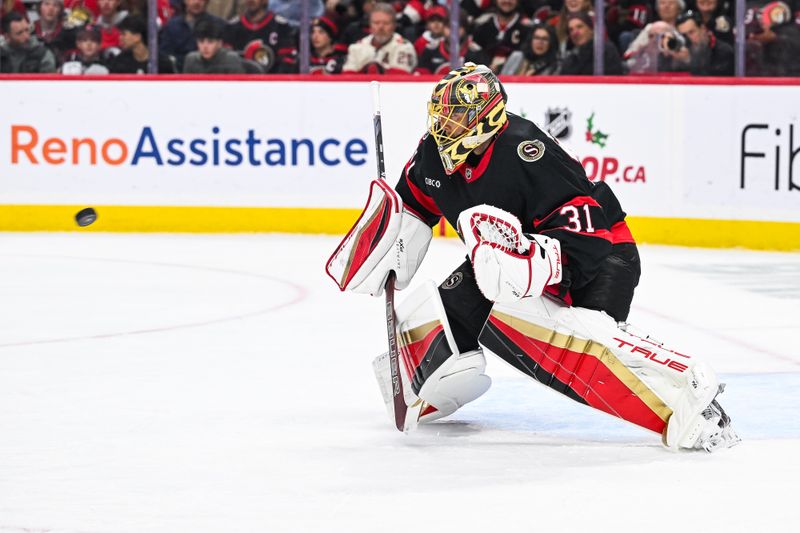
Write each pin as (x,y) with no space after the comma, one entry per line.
(472,173)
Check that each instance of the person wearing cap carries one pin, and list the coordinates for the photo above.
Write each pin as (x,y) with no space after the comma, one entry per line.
(22,52)
(87,59)
(135,55)
(327,55)
(436,19)
(579,61)
(210,56)
(262,31)
(383,51)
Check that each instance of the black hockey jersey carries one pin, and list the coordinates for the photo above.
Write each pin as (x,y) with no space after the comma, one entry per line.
(499,40)
(527,173)
(436,59)
(273,31)
(329,64)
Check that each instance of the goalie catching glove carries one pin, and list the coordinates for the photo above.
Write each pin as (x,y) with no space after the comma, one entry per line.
(508,265)
(385,238)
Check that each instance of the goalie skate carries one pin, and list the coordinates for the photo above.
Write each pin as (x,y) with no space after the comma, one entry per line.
(712,429)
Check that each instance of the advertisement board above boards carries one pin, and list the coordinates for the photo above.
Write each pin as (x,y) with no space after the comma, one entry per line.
(669,151)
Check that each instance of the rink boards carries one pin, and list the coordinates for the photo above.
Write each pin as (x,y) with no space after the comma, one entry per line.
(704,164)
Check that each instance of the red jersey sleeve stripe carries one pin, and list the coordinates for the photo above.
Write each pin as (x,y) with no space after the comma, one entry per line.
(598,233)
(620,233)
(424,200)
(577,201)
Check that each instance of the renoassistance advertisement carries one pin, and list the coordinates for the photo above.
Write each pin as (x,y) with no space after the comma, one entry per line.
(305,149)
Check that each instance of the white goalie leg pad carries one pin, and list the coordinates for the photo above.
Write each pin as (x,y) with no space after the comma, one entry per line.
(385,238)
(675,389)
(507,264)
(431,367)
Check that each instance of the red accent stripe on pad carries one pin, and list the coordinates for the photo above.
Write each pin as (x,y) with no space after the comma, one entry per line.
(587,376)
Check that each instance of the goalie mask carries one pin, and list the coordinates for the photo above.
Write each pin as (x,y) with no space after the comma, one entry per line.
(467,108)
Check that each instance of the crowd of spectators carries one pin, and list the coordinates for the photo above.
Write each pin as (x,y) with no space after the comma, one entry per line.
(513,37)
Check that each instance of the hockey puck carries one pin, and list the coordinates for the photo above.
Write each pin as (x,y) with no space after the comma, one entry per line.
(86,216)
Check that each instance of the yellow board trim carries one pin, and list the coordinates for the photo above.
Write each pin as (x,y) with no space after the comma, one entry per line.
(181,219)
(751,234)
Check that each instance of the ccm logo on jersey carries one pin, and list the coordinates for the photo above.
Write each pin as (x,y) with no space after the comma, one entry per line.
(653,356)
(530,151)
(433,183)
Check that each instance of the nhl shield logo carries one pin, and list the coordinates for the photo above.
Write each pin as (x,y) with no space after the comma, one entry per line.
(558,122)
(530,151)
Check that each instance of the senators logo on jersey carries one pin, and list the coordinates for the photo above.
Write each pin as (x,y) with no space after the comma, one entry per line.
(530,151)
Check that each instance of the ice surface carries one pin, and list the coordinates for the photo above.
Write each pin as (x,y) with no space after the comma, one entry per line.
(168,383)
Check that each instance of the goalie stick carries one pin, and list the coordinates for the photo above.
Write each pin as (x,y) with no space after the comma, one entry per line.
(404,418)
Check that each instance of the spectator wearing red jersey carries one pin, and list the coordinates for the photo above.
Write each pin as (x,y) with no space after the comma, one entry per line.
(262,30)
(110,16)
(436,18)
(383,51)
(501,32)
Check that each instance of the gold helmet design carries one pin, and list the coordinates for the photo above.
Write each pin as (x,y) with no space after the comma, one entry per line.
(467,108)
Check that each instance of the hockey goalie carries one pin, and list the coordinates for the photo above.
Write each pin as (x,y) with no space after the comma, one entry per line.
(547,283)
